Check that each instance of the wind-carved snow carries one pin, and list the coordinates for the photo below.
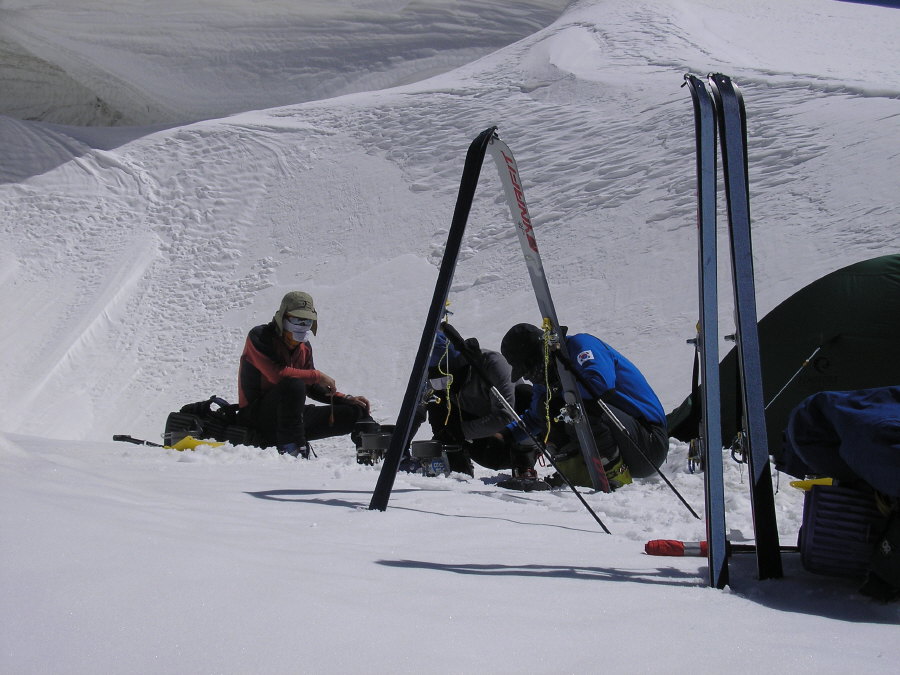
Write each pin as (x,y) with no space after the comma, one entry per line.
(84,63)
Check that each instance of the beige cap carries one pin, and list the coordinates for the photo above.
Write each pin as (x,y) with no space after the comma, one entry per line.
(299,304)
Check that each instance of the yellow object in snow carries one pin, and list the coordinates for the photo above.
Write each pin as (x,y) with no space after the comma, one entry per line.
(806,485)
(189,443)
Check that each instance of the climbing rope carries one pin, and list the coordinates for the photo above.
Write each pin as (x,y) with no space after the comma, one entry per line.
(549,339)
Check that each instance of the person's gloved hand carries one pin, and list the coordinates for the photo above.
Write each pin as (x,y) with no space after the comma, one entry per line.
(451,432)
(327,383)
(567,451)
(361,401)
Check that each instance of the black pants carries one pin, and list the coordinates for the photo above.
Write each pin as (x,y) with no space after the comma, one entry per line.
(652,440)
(489,452)
(282,416)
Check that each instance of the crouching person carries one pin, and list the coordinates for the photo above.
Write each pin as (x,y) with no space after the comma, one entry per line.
(605,374)
(277,378)
(462,410)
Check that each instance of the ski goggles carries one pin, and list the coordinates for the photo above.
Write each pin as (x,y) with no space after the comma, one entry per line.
(296,323)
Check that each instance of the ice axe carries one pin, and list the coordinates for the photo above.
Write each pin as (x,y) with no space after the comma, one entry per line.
(137,441)
(186,443)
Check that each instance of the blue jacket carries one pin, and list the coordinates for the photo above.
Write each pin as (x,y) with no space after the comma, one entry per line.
(612,377)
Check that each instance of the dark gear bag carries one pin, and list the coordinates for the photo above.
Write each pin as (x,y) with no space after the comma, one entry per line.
(214,418)
(883,576)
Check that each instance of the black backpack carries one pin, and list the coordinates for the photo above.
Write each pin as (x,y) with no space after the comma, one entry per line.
(214,418)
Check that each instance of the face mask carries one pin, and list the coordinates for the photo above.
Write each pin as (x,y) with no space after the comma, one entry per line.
(298,328)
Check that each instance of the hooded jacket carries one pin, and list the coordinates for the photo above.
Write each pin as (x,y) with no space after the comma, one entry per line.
(483,415)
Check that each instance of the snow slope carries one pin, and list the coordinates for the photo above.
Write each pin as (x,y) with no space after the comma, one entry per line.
(135,258)
(132,62)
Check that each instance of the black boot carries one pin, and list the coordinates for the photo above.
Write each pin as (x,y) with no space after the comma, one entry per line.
(524,480)
(295,450)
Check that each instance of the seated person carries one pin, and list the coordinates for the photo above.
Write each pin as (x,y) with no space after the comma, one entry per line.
(277,376)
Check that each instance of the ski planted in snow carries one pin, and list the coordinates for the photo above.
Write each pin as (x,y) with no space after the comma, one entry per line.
(732,124)
(403,429)
(515,197)
(708,333)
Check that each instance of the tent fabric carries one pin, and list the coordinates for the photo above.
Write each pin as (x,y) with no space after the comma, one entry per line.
(847,435)
(852,316)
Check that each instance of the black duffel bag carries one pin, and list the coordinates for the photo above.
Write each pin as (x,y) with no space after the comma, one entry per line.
(214,418)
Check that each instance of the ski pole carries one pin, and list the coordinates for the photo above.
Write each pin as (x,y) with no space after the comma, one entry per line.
(543,448)
(564,359)
(805,363)
(137,441)
(460,344)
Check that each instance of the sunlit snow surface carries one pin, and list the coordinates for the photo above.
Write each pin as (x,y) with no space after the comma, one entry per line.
(135,258)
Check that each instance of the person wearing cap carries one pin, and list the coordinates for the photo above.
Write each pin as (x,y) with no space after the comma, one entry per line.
(277,376)
(601,372)
(461,409)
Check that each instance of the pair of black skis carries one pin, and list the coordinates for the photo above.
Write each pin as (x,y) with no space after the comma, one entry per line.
(722,113)
(486,141)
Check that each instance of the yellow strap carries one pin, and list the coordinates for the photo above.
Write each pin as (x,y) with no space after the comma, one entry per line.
(441,361)
(548,328)
(806,485)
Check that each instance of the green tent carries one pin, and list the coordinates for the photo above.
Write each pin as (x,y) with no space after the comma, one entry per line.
(851,316)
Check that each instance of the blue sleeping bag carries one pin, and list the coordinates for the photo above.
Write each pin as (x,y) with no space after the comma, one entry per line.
(847,435)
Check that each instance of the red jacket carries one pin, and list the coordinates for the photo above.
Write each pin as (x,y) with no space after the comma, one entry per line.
(267,360)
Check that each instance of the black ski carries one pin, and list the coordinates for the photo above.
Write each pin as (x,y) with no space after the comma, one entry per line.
(708,333)
(732,121)
(403,429)
(515,197)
